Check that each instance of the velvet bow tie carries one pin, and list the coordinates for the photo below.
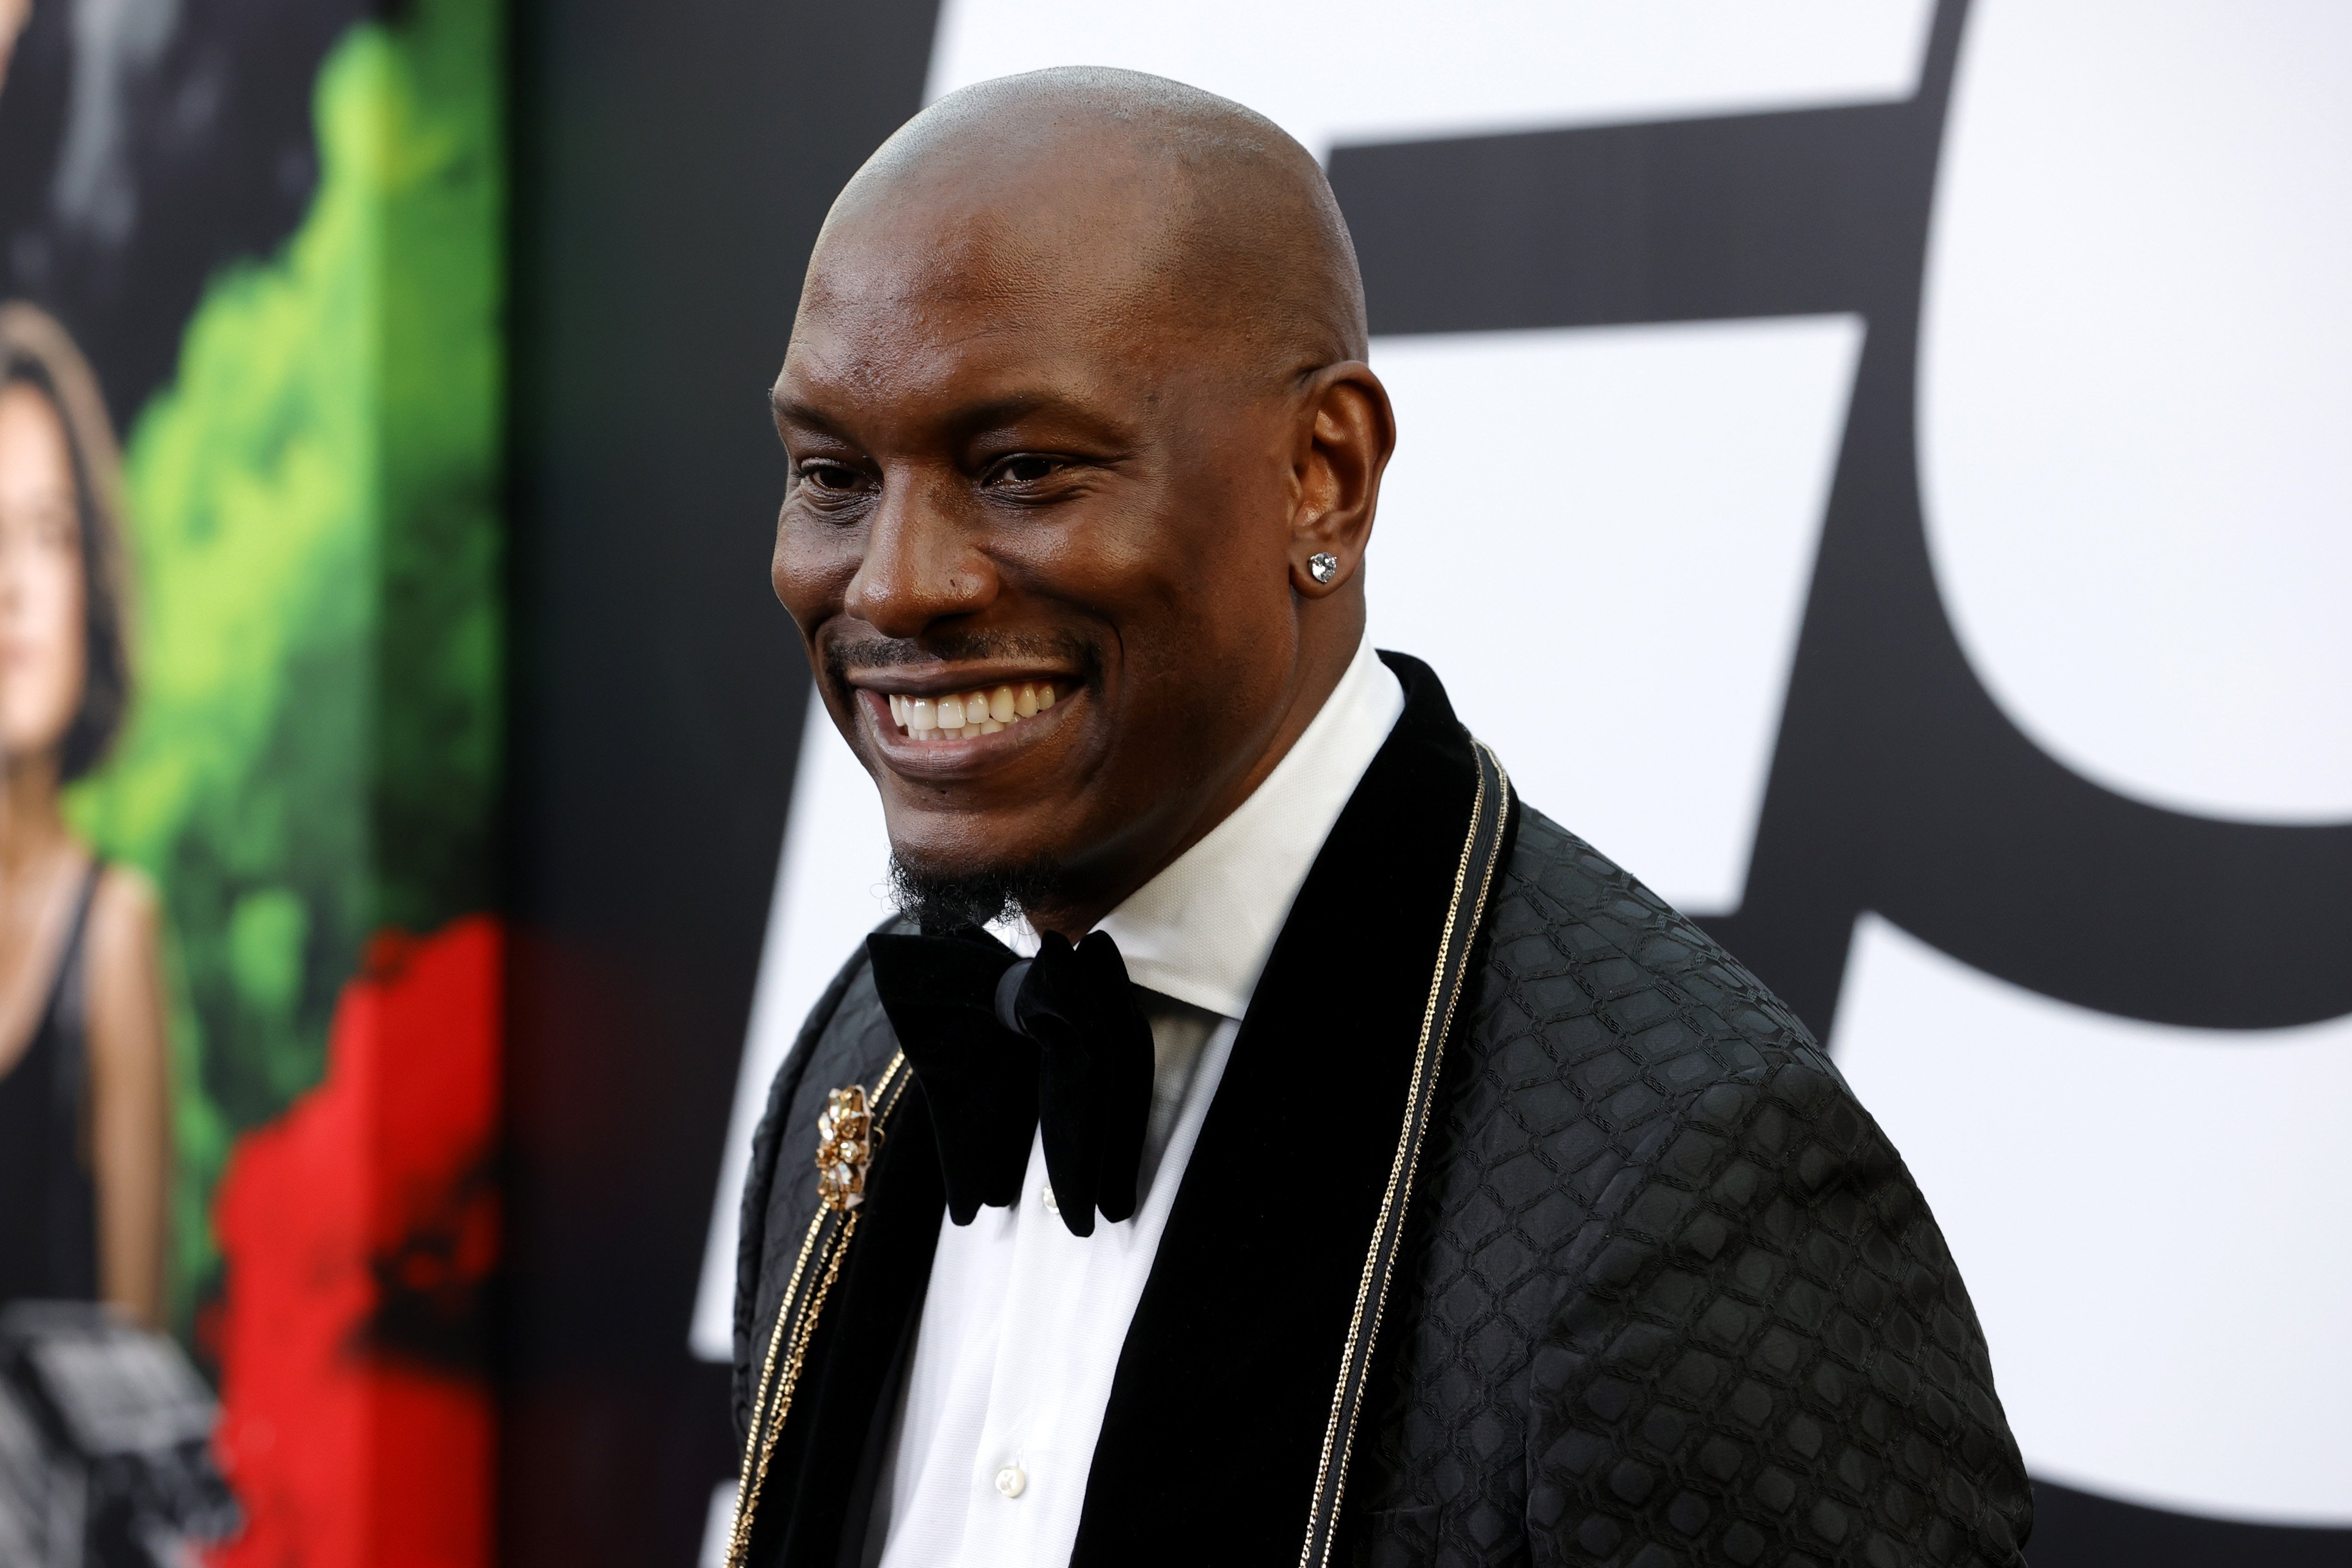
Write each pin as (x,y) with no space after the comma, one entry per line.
(1001,1045)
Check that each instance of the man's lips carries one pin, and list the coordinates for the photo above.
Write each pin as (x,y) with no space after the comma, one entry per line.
(944,679)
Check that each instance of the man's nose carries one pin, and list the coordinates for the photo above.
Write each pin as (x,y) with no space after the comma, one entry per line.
(922,562)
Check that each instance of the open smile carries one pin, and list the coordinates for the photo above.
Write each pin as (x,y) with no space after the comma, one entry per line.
(969,715)
(958,732)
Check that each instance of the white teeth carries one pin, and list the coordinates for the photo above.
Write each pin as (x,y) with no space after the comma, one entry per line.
(970,715)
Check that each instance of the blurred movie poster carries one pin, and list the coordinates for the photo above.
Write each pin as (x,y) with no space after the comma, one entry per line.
(250,392)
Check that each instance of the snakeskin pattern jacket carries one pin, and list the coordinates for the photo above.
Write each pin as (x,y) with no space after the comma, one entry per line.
(1526,1227)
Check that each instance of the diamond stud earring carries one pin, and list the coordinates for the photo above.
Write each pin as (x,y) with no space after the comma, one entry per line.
(1323,566)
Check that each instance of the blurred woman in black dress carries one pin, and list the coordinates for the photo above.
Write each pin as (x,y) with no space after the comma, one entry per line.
(84,1131)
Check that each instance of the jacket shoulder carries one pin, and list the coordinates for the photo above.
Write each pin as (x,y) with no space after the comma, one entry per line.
(1656,1235)
(1577,948)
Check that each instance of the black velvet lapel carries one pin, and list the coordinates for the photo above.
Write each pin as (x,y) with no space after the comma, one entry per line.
(820,1486)
(1211,1444)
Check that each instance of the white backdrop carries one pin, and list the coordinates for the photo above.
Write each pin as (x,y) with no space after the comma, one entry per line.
(2136,388)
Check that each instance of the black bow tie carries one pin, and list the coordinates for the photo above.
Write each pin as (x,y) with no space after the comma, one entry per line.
(1002,1044)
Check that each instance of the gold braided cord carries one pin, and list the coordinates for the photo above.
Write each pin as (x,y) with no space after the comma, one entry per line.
(760,1442)
(803,1332)
(739,1533)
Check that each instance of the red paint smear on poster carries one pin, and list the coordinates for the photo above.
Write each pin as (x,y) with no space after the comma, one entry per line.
(360,1230)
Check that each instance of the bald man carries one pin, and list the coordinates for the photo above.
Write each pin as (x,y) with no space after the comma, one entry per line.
(1262,1138)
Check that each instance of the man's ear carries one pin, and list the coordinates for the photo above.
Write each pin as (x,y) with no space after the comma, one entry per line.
(1346,431)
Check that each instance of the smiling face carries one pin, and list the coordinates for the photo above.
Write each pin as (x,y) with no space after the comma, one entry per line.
(44,651)
(1017,469)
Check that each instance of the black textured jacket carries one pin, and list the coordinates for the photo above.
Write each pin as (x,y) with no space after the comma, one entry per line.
(1526,1227)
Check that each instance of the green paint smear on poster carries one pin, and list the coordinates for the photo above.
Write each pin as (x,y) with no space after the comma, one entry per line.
(314,515)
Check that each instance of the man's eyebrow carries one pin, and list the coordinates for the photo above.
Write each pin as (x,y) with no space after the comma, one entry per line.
(784,408)
(971,419)
(1011,408)
(1006,409)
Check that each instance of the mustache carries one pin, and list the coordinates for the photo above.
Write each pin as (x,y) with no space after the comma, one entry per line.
(1059,649)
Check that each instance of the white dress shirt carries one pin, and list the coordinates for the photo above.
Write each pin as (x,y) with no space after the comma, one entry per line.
(1023,1322)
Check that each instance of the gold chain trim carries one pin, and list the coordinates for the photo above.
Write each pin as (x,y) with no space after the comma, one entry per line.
(1372,1285)
(760,1441)
(739,1532)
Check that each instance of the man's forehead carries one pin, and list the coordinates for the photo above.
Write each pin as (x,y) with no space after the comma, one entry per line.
(916,367)
(1021,232)
(966,331)
(994,322)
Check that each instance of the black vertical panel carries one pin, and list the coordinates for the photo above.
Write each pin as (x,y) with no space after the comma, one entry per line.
(672,164)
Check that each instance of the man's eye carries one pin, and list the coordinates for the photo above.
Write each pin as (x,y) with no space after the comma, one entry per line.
(829,475)
(1028,470)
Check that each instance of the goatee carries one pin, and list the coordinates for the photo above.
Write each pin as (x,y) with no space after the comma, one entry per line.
(940,904)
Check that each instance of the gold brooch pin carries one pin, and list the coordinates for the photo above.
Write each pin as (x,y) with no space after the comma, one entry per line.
(843,1145)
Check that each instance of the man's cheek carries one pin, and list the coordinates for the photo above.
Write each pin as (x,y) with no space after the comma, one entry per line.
(812,570)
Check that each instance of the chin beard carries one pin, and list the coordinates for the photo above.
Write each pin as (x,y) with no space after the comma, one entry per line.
(940,903)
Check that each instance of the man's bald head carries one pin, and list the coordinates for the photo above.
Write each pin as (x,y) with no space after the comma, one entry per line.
(1140,196)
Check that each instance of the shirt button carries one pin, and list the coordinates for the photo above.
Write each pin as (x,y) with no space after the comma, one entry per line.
(1011,1480)
(1045,1197)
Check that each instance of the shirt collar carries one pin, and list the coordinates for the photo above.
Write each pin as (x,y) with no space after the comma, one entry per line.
(1201,931)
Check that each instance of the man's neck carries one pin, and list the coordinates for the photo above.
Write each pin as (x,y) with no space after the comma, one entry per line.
(1321,669)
